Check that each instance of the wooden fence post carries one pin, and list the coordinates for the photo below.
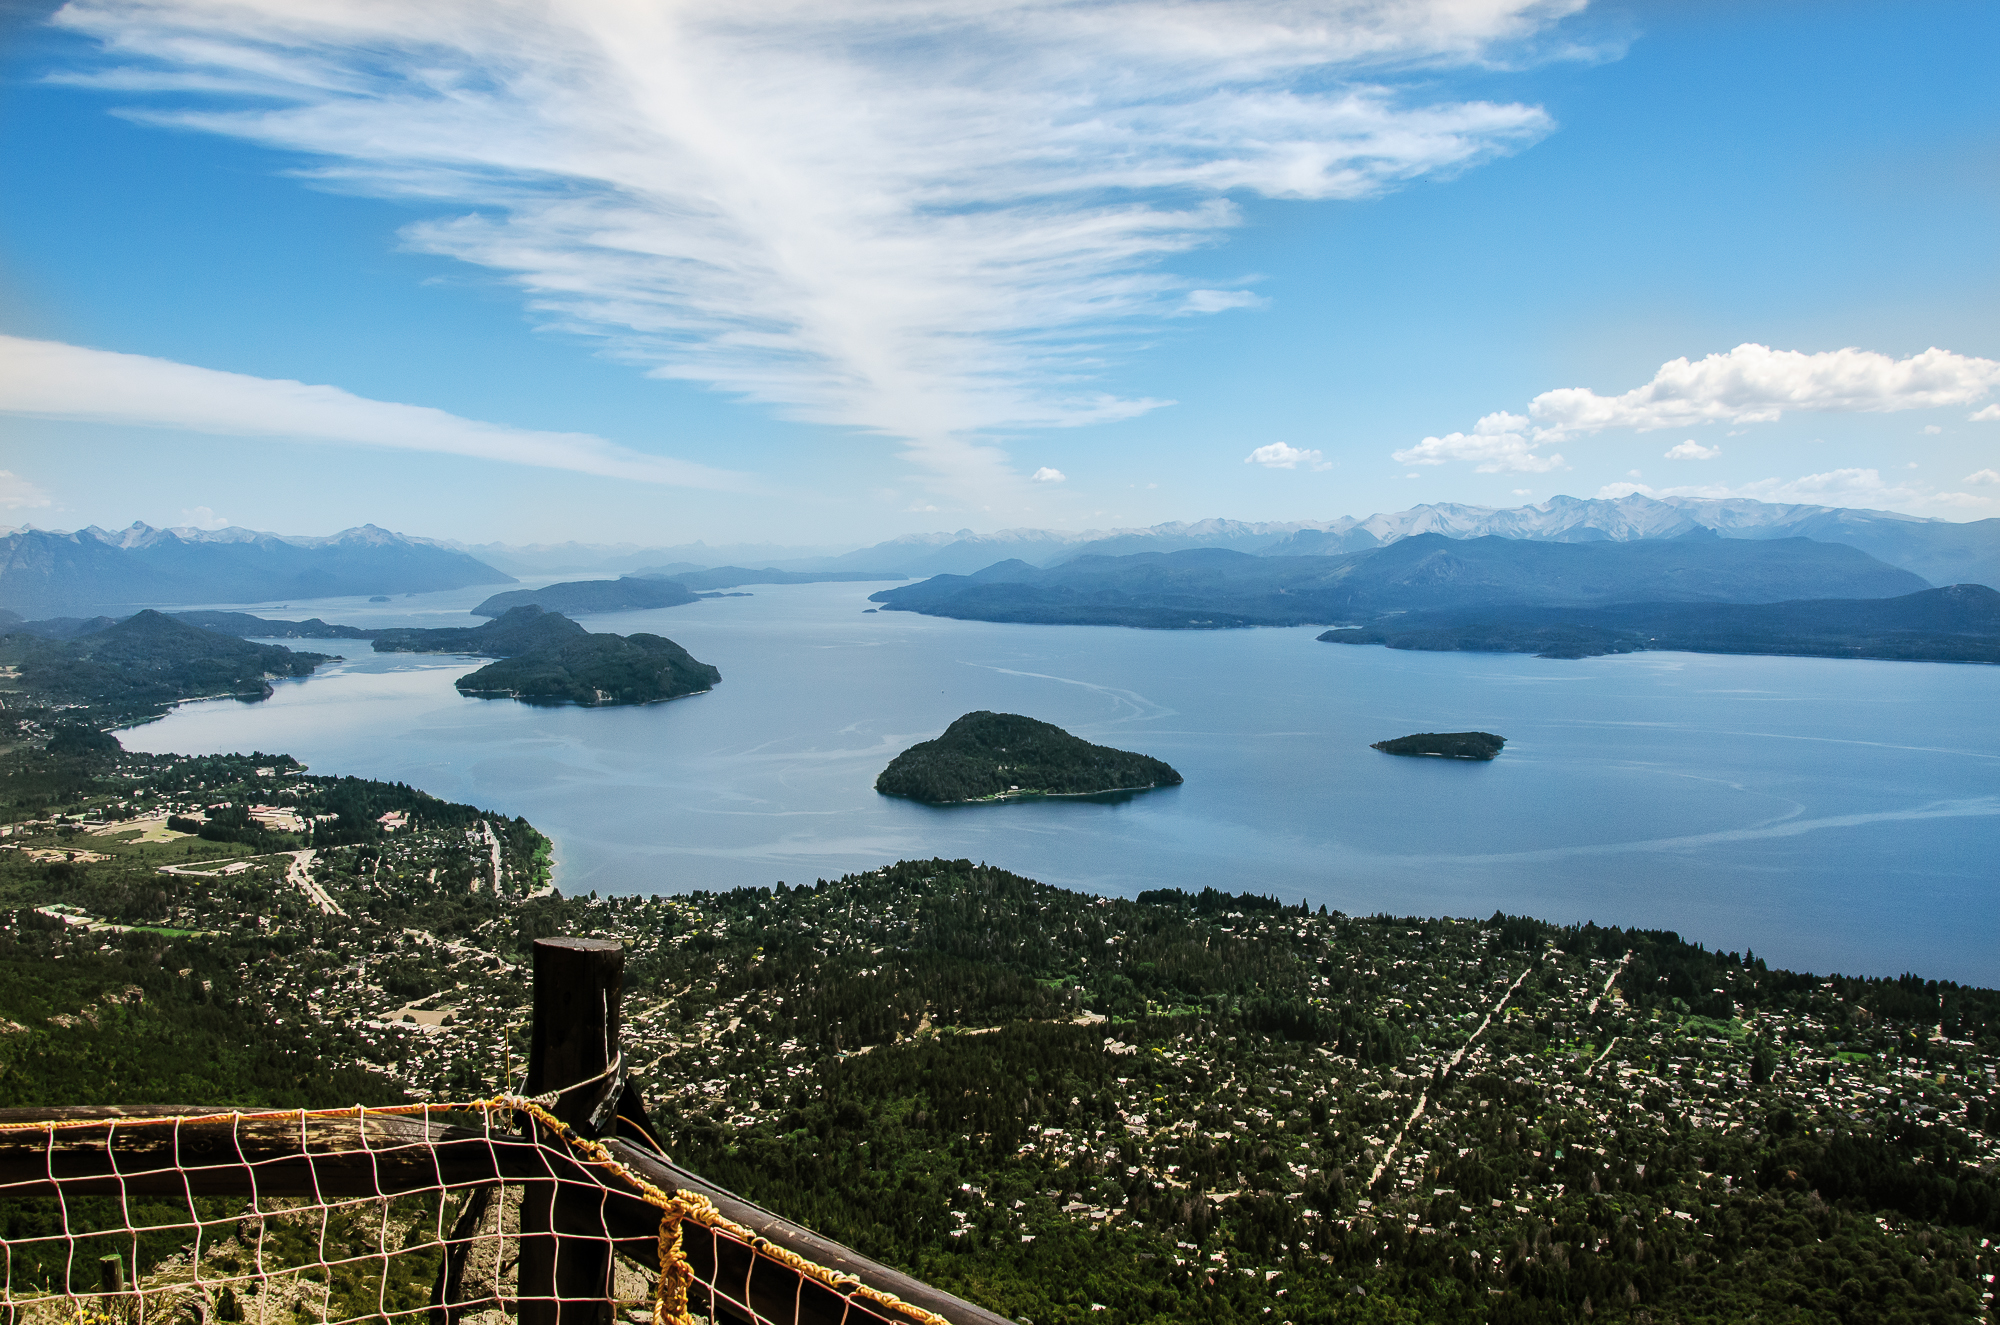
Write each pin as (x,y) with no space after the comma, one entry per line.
(574,1040)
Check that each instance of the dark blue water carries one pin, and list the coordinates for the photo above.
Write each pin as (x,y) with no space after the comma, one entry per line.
(1830,815)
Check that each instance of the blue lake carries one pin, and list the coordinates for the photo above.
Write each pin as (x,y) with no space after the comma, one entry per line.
(1831,815)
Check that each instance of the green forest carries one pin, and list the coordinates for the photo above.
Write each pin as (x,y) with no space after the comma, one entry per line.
(992,756)
(1176,1106)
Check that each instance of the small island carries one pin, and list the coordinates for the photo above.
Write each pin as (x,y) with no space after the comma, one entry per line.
(1004,756)
(590,597)
(1444,745)
(594,670)
(549,659)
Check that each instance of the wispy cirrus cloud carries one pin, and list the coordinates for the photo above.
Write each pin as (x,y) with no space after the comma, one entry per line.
(922,218)
(48,379)
(1749,384)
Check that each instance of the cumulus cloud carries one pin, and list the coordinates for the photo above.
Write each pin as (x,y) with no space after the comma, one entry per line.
(1757,384)
(1836,487)
(1047,475)
(17,494)
(201,517)
(1984,476)
(1750,384)
(1280,456)
(1498,444)
(1991,414)
(916,217)
(49,379)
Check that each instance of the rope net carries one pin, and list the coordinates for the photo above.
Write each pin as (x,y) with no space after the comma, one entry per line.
(460,1214)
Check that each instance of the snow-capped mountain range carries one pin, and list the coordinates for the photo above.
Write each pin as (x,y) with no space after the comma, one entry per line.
(45,573)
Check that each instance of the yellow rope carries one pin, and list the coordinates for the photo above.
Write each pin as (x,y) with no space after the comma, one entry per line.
(670,1291)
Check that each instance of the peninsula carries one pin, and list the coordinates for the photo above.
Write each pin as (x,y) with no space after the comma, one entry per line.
(1004,756)
(1447,745)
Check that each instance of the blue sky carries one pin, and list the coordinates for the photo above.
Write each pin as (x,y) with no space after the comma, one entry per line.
(826,274)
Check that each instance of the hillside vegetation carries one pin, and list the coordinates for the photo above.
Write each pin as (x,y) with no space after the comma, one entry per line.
(584,597)
(996,756)
(1960,623)
(1213,588)
(593,670)
(139,667)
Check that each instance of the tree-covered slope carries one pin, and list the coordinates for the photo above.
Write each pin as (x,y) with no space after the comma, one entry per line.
(142,665)
(1447,745)
(1212,588)
(516,630)
(594,670)
(582,597)
(986,756)
(1958,623)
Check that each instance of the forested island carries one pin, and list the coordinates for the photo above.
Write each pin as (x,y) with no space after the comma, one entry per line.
(1004,756)
(730,577)
(584,597)
(1447,745)
(595,670)
(1958,623)
(549,659)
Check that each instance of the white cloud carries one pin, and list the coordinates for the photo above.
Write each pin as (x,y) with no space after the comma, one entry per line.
(1757,384)
(1498,443)
(1932,430)
(917,217)
(17,494)
(1991,414)
(201,517)
(1982,477)
(51,380)
(1280,456)
(1524,492)
(1216,301)
(1749,384)
(1047,475)
(1838,487)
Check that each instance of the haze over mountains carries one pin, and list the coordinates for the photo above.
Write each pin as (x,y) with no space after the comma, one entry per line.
(1216,587)
(92,571)
(1941,551)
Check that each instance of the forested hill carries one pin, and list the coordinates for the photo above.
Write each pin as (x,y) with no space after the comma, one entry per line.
(595,670)
(999,756)
(1959,623)
(583,597)
(139,667)
(1212,588)
(550,659)
(516,630)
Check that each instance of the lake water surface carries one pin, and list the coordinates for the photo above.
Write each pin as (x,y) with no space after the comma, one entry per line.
(1831,815)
